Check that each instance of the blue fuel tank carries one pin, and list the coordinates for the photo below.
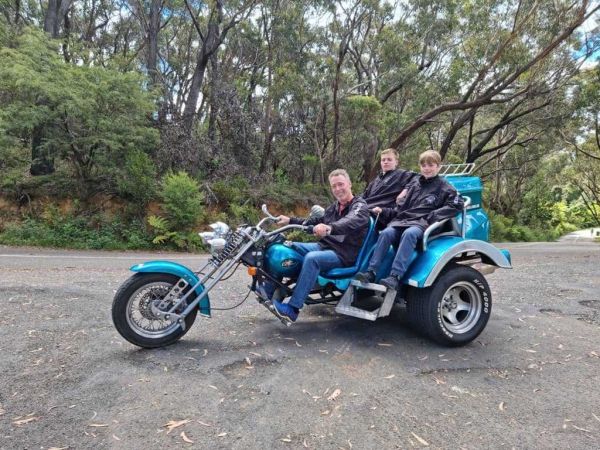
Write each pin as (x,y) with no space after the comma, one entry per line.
(283,261)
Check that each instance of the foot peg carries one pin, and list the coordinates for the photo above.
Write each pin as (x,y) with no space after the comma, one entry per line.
(284,320)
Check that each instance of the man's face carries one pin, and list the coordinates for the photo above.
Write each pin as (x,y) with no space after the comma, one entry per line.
(429,169)
(388,162)
(341,188)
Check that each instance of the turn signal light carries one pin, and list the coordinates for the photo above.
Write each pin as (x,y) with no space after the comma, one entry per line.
(252,271)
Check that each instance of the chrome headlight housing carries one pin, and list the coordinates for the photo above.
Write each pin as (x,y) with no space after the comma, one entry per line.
(216,238)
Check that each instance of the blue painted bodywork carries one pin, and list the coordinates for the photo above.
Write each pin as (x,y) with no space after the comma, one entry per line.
(178,270)
(283,261)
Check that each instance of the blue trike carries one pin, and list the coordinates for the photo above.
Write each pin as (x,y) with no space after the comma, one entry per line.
(444,291)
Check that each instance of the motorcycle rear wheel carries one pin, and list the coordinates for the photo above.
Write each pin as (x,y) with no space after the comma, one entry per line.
(133,317)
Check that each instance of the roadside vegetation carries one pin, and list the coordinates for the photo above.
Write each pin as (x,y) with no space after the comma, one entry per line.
(130,125)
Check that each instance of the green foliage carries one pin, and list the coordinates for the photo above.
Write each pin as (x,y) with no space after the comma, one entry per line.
(182,200)
(76,231)
(90,118)
(504,229)
(137,181)
(181,240)
(234,190)
(301,236)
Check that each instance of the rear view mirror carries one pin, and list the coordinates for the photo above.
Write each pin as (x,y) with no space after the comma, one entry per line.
(316,212)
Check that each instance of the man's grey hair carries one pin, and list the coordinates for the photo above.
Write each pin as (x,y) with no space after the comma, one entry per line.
(338,172)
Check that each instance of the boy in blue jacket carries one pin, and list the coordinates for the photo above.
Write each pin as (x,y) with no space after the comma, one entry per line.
(429,198)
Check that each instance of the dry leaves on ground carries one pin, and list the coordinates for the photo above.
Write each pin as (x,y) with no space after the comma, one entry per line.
(420,439)
(172,424)
(18,421)
(335,394)
(185,438)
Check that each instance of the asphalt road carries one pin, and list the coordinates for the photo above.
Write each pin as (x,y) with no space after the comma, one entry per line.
(242,380)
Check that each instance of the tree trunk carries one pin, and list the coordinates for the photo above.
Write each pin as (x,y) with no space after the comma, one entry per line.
(152,41)
(191,104)
(213,102)
(54,16)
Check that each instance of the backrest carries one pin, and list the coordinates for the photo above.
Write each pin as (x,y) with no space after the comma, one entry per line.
(369,241)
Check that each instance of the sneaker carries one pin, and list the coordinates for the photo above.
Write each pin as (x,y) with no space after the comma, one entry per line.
(284,311)
(365,277)
(391,282)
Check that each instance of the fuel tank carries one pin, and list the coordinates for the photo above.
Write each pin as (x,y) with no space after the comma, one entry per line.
(282,261)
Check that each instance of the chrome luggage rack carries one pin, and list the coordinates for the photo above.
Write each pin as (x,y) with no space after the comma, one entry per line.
(456,170)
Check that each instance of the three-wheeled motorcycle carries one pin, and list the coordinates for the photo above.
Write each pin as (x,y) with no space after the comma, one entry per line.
(444,291)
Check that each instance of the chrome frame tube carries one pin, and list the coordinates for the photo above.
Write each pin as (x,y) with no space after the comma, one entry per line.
(220,271)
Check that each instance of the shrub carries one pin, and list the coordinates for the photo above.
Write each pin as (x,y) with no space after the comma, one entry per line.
(182,201)
(183,240)
(67,231)
(137,182)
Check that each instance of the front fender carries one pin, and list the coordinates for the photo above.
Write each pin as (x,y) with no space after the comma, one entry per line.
(428,265)
(179,271)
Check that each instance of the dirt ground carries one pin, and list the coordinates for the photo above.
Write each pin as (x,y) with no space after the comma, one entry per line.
(242,380)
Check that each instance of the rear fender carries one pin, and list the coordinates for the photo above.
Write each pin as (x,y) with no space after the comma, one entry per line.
(179,271)
(441,251)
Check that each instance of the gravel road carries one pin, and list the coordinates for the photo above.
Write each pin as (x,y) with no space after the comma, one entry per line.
(242,380)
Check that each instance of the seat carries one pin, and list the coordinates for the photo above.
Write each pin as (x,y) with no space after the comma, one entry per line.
(446,227)
(347,272)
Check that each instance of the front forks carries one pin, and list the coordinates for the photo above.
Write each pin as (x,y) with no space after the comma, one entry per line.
(213,278)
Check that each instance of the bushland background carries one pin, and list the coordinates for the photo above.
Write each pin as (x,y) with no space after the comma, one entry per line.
(128,124)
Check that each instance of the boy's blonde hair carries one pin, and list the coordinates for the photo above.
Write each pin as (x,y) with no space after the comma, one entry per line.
(430,156)
(390,151)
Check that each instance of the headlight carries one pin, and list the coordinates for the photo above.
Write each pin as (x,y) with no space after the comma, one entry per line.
(221,229)
(216,238)
(217,245)
(207,236)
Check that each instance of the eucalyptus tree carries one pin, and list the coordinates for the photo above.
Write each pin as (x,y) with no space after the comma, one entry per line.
(504,54)
(212,21)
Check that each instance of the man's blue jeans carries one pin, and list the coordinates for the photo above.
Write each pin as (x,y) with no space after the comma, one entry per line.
(407,238)
(316,261)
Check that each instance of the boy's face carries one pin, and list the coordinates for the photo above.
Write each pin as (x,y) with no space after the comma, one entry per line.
(429,169)
(388,162)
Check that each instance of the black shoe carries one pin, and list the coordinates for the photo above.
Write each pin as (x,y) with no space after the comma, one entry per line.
(365,277)
(391,282)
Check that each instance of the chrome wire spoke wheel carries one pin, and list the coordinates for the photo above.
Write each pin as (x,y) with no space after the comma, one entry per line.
(461,307)
(139,311)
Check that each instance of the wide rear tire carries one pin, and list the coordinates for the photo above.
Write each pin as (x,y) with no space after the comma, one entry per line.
(133,317)
(455,310)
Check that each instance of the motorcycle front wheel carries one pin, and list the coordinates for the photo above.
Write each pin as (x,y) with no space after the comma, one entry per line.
(132,311)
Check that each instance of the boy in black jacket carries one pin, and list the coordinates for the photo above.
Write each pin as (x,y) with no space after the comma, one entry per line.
(429,199)
(383,190)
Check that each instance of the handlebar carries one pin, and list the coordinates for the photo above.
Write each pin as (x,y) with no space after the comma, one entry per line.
(307,228)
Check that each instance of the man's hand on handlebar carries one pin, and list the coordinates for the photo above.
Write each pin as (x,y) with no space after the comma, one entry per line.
(322,230)
(377,210)
(283,220)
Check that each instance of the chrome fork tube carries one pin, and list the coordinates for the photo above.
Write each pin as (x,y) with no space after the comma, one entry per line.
(220,271)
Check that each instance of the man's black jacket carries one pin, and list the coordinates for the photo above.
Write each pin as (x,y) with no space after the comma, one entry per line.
(384,189)
(348,228)
(427,200)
